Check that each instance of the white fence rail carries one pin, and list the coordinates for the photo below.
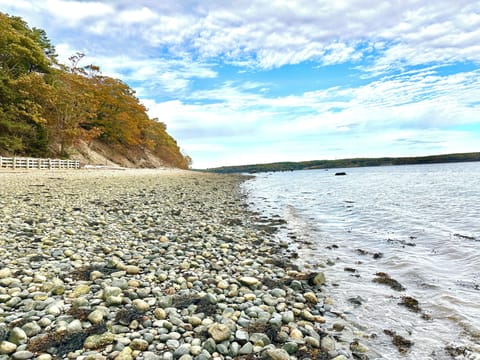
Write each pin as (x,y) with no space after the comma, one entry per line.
(33,163)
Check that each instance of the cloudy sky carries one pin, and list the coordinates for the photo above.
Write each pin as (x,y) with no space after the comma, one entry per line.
(261,81)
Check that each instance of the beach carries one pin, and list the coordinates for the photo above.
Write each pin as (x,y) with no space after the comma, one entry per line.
(154,264)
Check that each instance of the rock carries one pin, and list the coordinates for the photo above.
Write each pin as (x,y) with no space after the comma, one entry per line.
(132,270)
(241,335)
(111,291)
(139,344)
(165,301)
(311,297)
(288,317)
(80,290)
(278,292)
(5,273)
(223,284)
(290,347)
(219,332)
(114,300)
(209,345)
(125,354)
(31,329)
(181,350)
(246,349)
(140,305)
(7,347)
(160,314)
(17,336)
(195,350)
(74,326)
(309,340)
(54,310)
(277,354)
(249,281)
(211,298)
(98,341)
(259,339)
(328,344)
(44,357)
(358,347)
(194,321)
(296,334)
(96,316)
(317,279)
(22,355)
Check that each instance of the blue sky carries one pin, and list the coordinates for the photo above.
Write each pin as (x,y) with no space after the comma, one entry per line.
(262,81)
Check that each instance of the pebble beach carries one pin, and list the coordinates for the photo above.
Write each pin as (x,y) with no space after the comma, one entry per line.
(154,264)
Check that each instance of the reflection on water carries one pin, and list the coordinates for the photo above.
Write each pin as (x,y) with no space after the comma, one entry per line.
(419,224)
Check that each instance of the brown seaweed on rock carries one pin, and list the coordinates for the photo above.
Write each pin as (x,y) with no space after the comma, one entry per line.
(62,342)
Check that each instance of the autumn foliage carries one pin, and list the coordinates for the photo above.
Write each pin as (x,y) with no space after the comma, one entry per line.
(46,107)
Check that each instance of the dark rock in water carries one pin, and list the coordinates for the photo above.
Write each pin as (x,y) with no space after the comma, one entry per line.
(400,342)
(411,303)
(356,300)
(383,278)
(466,237)
(341,173)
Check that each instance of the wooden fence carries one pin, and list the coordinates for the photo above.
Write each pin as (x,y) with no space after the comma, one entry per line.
(32,163)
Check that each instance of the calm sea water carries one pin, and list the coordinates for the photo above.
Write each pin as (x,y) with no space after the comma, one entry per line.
(419,224)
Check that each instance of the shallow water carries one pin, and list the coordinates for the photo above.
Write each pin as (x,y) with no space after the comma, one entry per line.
(419,224)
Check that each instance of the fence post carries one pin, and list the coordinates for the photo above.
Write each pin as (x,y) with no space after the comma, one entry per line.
(14,162)
(1,165)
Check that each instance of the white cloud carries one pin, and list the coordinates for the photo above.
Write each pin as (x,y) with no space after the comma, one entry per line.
(270,34)
(72,12)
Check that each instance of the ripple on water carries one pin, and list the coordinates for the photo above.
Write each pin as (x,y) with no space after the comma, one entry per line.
(423,223)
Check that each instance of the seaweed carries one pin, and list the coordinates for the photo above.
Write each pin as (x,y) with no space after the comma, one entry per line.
(402,344)
(309,352)
(126,316)
(263,328)
(383,278)
(411,303)
(79,313)
(62,342)
(83,273)
(202,304)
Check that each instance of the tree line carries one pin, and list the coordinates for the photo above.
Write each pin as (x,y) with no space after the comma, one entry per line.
(348,163)
(47,107)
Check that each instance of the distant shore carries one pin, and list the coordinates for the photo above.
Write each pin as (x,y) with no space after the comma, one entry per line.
(153,264)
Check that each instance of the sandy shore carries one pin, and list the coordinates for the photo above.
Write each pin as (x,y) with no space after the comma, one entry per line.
(152,264)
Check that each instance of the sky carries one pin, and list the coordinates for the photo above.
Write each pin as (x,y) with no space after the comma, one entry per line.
(242,82)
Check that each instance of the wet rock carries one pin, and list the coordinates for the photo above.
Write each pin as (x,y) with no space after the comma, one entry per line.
(317,279)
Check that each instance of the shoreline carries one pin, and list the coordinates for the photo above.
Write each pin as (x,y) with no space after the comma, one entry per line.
(153,264)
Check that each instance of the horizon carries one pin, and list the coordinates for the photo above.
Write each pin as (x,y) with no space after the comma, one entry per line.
(260,82)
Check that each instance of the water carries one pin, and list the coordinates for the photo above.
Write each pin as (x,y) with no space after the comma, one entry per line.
(419,224)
